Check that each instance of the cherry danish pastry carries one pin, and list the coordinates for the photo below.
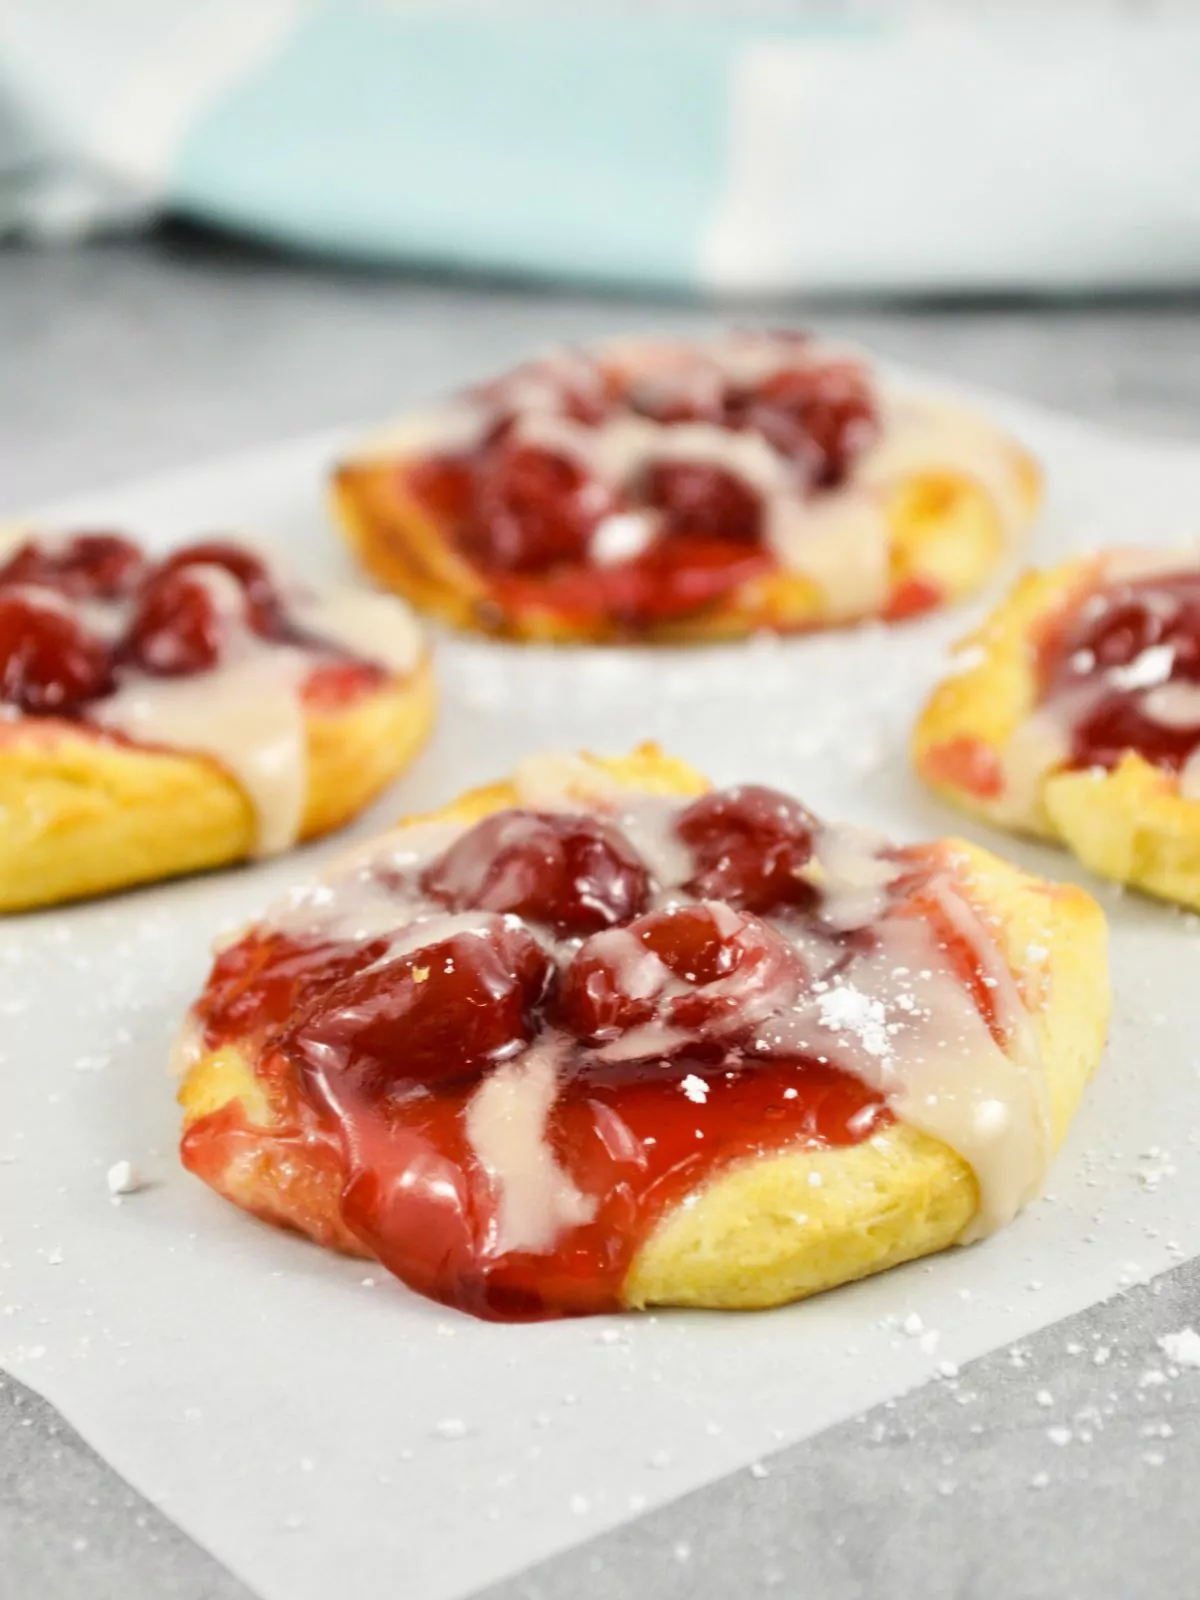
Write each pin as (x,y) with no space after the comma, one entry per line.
(1075,716)
(662,490)
(158,716)
(600,1037)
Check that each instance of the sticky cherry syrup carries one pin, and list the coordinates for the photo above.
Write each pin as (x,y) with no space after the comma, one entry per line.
(77,613)
(1112,627)
(373,1062)
(526,515)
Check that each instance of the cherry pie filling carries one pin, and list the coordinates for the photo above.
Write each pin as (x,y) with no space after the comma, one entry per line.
(1121,667)
(644,536)
(563,1040)
(81,616)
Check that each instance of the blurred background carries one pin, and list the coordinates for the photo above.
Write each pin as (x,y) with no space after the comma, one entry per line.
(223,222)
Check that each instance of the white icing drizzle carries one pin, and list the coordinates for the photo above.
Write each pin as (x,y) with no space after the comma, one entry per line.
(839,539)
(1189,776)
(895,1013)
(853,875)
(506,1124)
(246,713)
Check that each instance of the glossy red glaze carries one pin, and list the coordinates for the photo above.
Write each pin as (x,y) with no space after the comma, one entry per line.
(749,843)
(670,581)
(965,763)
(636,1137)
(1111,626)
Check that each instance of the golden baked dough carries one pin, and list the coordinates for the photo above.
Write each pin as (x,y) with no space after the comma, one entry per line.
(83,813)
(948,511)
(975,744)
(762,1232)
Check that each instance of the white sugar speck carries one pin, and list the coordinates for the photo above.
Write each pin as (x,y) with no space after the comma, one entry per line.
(1044,1397)
(847,1010)
(1059,1435)
(1183,1347)
(913,1324)
(758,1470)
(123,1178)
(450,1428)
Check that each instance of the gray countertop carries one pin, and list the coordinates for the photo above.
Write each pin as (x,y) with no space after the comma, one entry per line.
(129,358)
(126,358)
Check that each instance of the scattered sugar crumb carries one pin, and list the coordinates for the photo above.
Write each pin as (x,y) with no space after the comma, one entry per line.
(1059,1435)
(123,1178)
(758,1470)
(913,1325)
(1044,1397)
(450,1428)
(1183,1347)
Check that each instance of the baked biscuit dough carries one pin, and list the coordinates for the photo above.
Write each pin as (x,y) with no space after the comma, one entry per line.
(83,813)
(985,743)
(923,518)
(772,1228)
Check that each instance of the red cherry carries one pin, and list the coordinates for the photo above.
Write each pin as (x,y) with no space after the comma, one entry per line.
(177,628)
(820,417)
(1127,622)
(49,662)
(89,566)
(703,970)
(533,509)
(433,1016)
(574,873)
(749,845)
(679,575)
(265,611)
(704,502)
